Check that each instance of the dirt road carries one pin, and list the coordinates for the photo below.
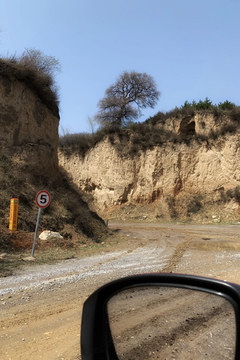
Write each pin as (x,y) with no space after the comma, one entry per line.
(40,307)
(171,323)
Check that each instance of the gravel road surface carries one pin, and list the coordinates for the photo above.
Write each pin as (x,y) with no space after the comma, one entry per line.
(40,306)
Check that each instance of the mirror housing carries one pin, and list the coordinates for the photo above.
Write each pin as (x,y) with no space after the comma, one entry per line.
(96,338)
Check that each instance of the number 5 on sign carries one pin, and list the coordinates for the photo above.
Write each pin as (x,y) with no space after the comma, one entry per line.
(43,200)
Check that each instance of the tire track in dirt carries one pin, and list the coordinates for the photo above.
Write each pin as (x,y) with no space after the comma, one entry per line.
(177,256)
(56,308)
(160,320)
(62,277)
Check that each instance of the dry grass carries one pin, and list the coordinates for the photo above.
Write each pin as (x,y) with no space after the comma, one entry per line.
(216,245)
(52,251)
(142,136)
(39,83)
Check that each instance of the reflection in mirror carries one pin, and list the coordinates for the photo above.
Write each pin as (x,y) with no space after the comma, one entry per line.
(171,323)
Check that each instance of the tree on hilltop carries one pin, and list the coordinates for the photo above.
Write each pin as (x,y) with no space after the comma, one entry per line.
(124,99)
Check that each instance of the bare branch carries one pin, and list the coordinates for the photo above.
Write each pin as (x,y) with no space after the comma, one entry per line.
(92,124)
(117,107)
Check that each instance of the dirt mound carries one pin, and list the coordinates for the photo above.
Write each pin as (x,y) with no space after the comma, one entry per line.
(20,241)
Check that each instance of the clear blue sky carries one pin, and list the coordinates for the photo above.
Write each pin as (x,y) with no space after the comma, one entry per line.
(190,47)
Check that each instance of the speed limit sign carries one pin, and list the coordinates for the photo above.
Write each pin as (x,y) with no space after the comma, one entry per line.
(43,199)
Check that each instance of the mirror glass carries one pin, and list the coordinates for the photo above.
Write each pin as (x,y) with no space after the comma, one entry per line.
(171,323)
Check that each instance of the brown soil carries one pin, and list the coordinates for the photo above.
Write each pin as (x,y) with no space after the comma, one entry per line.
(44,323)
(21,241)
(17,245)
(163,323)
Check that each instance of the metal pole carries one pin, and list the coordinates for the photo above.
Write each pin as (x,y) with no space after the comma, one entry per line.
(36,229)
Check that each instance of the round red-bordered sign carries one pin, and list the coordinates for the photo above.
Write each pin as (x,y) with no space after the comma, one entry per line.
(43,199)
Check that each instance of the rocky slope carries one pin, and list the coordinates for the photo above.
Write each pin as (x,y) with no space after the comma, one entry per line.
(206,167)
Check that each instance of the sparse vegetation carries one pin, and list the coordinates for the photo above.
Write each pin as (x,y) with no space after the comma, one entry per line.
(187,206)
(189,109)
(194,204)
(226,196)
(92,124)
(172,206)
(154,131)
(38,71)
(82,142)
(50,251)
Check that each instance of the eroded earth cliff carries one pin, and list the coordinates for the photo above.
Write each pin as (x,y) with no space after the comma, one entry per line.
(29,119)
(207,168)
(27,124)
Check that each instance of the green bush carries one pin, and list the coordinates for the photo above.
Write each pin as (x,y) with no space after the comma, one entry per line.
(201,105)
(204,105)
(207,105)
(226,105)
(186,105)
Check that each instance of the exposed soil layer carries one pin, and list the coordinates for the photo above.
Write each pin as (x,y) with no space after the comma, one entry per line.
(40,306)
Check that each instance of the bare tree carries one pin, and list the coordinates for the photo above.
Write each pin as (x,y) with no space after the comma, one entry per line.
(65,130)
(124,100)
(92,124)
(36,60)
(46,65)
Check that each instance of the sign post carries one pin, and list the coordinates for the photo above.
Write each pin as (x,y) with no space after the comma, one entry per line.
(13,214)
(43,200)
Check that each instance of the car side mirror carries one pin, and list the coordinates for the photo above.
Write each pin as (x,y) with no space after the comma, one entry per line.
(158,316)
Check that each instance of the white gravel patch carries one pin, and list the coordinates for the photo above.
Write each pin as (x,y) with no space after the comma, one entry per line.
(114,264)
